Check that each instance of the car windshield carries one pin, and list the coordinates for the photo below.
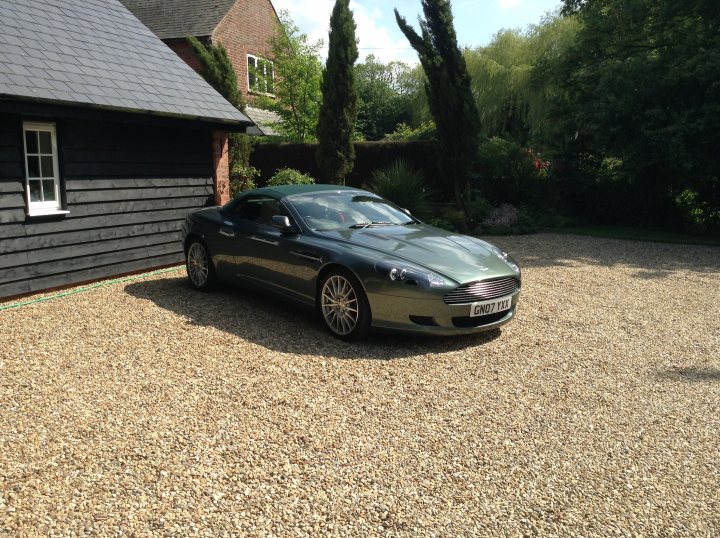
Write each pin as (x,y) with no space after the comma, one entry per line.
(347,209)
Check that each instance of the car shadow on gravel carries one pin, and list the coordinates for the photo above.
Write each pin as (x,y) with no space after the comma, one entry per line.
(285,326)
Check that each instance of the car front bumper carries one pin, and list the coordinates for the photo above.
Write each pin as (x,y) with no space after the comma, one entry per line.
(433,316)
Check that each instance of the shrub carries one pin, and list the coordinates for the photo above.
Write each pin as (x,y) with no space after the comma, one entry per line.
(405,133)
(456,218)
(242,175)
(240,148)
(508,220)
(289,176)
(403,185)
(701,209)
(510,173)
(440,222)
(242,178)
(477,210)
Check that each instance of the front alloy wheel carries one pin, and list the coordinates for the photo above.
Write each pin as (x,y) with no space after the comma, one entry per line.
(344,307)
(200,268)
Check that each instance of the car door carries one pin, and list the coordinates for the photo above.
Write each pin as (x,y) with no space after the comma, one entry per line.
(237,255)
(268,255)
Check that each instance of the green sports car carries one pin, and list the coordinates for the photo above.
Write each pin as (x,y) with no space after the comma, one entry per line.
(358,259)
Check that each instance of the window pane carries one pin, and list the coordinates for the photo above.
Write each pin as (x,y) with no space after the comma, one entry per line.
(33,166)
(48,190)
(31,141)
(45,142)
(47,165)
(35,194)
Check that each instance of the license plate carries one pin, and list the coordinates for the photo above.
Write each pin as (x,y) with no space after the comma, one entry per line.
(486,308)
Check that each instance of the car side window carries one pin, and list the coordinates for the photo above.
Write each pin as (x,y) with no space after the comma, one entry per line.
(259,209)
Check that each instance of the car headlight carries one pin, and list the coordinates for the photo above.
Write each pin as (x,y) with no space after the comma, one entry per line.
(504,256)
(405,273)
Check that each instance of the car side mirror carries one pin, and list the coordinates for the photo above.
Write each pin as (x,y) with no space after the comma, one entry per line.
(282,222)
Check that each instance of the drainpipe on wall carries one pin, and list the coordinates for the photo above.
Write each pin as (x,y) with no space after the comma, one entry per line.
(221,167)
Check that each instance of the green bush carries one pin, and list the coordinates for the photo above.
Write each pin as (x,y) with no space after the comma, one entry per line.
(403,185)
(405,133)
(289,176)
(242,178)
(701,208)
(440,222)
(477,210)
(240,148)
(242,175)
(510,173)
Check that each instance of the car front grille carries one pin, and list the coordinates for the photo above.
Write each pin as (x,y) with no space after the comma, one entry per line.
(482,291)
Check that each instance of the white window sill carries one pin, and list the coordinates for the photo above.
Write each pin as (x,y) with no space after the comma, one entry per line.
(46,212)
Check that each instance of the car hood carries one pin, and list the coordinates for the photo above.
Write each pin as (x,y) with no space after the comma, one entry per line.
(456,256)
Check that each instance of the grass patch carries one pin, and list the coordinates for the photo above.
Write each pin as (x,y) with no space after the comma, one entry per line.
(639,234)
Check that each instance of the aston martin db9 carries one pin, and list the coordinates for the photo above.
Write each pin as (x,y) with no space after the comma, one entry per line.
(358,259)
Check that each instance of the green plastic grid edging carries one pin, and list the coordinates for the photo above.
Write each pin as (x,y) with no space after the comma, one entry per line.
(91,287)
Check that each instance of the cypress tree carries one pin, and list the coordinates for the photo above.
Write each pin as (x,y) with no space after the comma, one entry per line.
(218,71)
(448,90)
(338,113)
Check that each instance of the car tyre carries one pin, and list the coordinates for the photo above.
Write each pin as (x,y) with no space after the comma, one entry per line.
(343,306)
(200,268)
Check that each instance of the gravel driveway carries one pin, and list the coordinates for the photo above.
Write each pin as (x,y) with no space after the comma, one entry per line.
(146,408)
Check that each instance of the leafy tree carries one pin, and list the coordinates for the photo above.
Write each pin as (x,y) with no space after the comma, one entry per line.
(218,71)
(642,84)
(383,103)
(338,113)
(298,73)
(449,94)
(513,82)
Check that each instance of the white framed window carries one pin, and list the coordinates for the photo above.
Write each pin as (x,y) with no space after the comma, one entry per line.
(42,178)
(261,75)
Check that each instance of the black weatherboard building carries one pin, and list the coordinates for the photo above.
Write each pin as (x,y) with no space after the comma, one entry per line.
(107,139)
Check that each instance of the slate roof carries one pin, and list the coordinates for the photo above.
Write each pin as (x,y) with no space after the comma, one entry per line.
(265,121)
(96,53)
(180,18)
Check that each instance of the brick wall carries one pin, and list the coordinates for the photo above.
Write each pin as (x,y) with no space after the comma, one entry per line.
(221,167)
(183,49)
(245,30)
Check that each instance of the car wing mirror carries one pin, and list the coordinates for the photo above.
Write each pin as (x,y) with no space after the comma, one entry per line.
(282,222)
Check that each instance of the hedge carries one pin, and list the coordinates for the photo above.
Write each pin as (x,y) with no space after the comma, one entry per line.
(268,158)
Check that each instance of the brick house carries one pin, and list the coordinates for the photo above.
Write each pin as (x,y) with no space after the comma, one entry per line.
(243,27)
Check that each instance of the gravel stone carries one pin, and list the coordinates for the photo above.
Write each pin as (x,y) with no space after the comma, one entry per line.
(147,408)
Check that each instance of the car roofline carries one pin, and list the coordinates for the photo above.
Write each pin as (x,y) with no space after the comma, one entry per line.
(286,191)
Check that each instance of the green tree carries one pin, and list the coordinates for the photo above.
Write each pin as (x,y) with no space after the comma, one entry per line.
(642,84)
(298,73)
(448,90)
(338,113)
(513,84)
(218,71)
(383,101)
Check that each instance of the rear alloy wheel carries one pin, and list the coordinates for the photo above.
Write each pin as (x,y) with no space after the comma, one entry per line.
(344,306)
(200,269)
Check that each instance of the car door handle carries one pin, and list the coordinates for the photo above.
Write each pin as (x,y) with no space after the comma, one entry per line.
(266,241)
(227,232)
